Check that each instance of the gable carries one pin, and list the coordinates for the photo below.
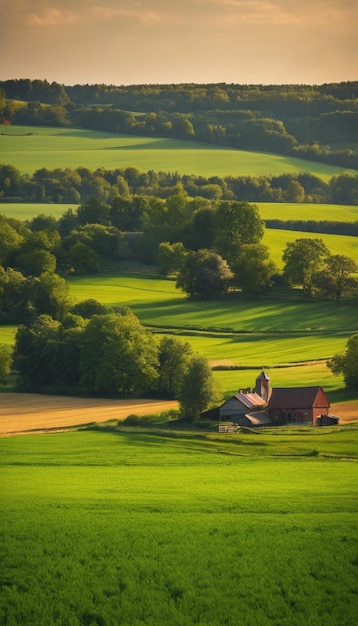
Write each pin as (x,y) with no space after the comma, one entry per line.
(244,401)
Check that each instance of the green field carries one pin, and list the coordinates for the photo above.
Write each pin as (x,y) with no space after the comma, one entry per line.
(308,211)
(28,210)
(154,530)
(277,239)
(268,211)
(158,303)
(60,148)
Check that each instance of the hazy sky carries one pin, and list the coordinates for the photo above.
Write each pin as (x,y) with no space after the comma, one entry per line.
(174,41)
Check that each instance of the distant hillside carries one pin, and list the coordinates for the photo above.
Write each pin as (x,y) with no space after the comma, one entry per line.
(306,121)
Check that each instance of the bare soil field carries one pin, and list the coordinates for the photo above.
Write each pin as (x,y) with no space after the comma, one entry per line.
(26,413)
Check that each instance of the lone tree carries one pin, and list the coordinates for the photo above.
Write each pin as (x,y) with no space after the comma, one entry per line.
(199,390)
(347,363)
(204,275)
(302,259)
(335,280)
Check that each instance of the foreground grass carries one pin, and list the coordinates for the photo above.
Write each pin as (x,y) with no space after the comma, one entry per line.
(127,528)
(63,147)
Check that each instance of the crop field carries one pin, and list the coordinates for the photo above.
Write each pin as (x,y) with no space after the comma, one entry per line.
(127,528)
(31,148)
(26,413)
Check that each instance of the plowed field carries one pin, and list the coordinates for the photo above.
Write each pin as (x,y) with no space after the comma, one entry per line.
(25,413)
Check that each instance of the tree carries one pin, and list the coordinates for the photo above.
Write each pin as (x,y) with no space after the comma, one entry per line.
(170,257)
(199,390)
(335,280)
(49,294)
(237,223)
(302,259)
(347,363)
(173,360)
(253,269)
(88,308)
(14,293)
(205,275)
(34,352)
(118,355)
(5,364)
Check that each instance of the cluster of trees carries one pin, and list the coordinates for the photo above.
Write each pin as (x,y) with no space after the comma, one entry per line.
(96,351)
(211,248)
(81,184)
(314,122)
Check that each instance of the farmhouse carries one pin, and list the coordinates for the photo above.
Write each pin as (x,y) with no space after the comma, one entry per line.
(265,406)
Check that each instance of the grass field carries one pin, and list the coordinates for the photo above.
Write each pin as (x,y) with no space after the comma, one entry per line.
(31,148)
(277,239)
(158,303)
(308,211)
(152,530)
(29,210)
(268,210)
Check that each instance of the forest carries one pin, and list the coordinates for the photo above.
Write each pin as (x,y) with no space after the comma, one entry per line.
(317,122)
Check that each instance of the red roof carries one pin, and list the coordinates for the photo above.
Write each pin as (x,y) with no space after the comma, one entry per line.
(298,398)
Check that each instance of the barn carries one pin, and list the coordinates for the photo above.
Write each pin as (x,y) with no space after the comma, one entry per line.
(297,404)
(242,407)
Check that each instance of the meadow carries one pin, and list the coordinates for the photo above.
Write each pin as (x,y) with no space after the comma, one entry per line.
(308,211)
(29,148)
(151,529)
(158,303)
(268,210)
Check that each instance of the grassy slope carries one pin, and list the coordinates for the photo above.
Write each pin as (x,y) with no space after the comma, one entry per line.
(157,302)
(308,211)
(107,529)
(276,240)
(58,147)
(268,210)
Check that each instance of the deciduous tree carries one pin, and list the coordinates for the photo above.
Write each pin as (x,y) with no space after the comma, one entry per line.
(199,390)
(302,259)
(347,363)
(205,275)
(336,280)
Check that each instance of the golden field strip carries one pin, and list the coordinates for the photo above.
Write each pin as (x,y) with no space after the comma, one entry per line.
(27,413)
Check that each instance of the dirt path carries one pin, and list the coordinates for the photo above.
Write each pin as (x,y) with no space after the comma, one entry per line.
(25,413)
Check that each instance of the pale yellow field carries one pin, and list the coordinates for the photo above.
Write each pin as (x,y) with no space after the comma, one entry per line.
(25,413)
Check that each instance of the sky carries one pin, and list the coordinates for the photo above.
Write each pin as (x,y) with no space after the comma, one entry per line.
(123,42)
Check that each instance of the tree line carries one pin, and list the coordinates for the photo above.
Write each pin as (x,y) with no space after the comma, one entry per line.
(95,351)
(314,122)
(80,184)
